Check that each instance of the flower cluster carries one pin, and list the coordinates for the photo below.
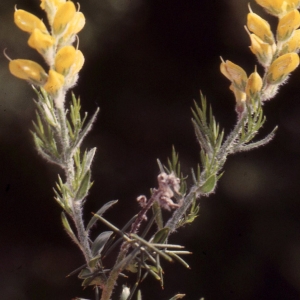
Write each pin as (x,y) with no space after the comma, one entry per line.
(55,46)
(276,53)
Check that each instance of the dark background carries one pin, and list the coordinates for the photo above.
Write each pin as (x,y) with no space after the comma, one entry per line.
(145,63)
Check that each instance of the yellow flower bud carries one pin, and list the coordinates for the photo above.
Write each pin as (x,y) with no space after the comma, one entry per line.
(293,44)
(54,83)
(234,73)
(287,24)
(281,67)
(28,22)
(260,27)
(63,17)
(75,25)
(65,59)
(28,70)
(254,85)
(263,51)
(40,41)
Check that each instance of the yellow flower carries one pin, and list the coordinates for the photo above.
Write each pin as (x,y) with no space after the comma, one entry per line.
(63,17)
(278,7)
(28,22)
(260,27)
(65,59)
(293,44)
(263,51)
(28,70)
(68,60)
(54,83)
(281,67)
(234,73)
(254,85)
(75,25)
(287,24)
(50,7)
(40,41)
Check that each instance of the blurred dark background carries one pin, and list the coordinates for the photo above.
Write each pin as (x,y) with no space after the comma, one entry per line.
(145,63)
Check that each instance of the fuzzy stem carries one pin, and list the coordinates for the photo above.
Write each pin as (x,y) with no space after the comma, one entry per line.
(68,166)
(173,221)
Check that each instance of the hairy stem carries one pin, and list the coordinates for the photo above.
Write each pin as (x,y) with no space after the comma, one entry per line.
(179,212)
(68,166)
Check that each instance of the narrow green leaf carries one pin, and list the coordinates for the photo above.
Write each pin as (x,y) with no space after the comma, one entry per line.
(85,273)
(100,212)
(84,187)
(160,166)
(158,215)
(100,242)
(161,236)
(68,228)
(209,185)
(179,259)
(88,159)
(93,262)
(178,296)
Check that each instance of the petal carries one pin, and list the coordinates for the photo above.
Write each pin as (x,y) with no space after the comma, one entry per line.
(76,24)
(287,24)
(263,51)
(63,17)
(28,22)
(54,83)
(234,73)
(40,41)
(64,59)
(51,3)
(78,62)
(28,70)
(293,44)
(260,27)
(254,84)
(282,66)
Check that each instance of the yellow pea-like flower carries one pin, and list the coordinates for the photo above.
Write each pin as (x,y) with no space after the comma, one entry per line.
(263,51)
(51,7)
(254,85)
(287,24)
(28,22)
(28,70)
(75,25)
(234,73)
(63,17)
(54,83)
(65,59)
(293,44)
(40,41)
(260,27)
(281,67)
(278,7)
